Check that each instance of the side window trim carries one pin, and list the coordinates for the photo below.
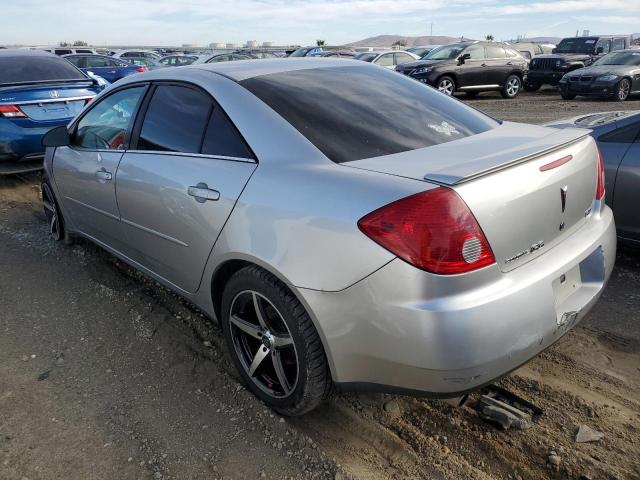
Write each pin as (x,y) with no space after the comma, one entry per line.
(142,112)
(136,112)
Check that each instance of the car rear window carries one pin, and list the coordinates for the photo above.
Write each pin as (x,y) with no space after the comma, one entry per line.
(351,113)
(31,68)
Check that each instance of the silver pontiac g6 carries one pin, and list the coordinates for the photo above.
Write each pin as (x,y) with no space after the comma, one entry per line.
(349,228)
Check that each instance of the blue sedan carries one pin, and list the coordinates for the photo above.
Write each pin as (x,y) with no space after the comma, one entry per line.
(38,91)
(618,137)
(111,69)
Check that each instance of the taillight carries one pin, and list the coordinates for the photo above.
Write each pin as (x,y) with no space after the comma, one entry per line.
(141,69)
(11,111)
(600,185)
(88,101)
(432,230)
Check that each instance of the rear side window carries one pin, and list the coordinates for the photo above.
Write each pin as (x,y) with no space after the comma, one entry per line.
(627,134)
(28,69)
(355,112)
(175,120)
(618,44)
(494,51)
(98,62)
(222,138)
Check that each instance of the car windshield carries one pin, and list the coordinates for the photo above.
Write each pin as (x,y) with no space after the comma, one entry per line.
(366,57)
(37,69)
(576,45)
(447,52)
(301,52)
(620,58)
(333,108)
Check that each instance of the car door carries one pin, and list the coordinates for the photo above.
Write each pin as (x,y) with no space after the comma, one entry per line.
(472,72)
(496,70)
(177,188)
(385,60)
(626,196)
(85,170)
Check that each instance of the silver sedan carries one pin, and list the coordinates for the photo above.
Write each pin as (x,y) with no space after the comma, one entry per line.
(346,226)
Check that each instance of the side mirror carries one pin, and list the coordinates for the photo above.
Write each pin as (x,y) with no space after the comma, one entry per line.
(554,50)
(599,50)
(57,137)
(464,57)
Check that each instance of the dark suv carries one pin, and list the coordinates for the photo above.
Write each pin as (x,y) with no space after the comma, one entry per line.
(571,54)
(470,67)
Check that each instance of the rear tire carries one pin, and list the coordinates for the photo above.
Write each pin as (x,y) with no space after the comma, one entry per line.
(273,343)
(446,85)
(511,87)
(52,213)
(622,90)
(532,87)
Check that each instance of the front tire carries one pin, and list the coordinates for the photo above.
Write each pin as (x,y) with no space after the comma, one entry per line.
(52,213)
(273,343)
(622,90)
(512,87)
(446,85)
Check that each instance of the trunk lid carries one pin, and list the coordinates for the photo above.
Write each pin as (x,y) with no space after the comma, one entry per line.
(529,187)
(51,102)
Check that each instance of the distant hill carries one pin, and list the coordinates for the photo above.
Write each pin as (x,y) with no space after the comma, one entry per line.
(554,40)
(388,40)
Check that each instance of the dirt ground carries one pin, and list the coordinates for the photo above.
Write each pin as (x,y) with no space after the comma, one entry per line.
(104,374)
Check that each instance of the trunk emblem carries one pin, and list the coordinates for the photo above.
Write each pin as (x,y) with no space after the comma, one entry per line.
(54,93)
(563,197)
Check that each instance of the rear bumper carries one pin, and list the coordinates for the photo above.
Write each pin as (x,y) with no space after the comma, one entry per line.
(22,144)
(402,329)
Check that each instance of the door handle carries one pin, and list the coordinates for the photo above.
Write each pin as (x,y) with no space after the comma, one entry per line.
(483,65)
(509,63)
(201,192)
(103,175)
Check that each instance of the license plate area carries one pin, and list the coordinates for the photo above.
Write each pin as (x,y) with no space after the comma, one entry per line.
(577,287)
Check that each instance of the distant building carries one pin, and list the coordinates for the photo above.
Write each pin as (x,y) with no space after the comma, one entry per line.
(232,45)
(189,45)
(217,45)
(251,44)
(267,44)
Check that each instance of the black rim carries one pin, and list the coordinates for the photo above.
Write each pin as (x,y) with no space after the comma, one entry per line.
(263,343)
(51,211)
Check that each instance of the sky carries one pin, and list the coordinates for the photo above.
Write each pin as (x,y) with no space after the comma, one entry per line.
(177,22)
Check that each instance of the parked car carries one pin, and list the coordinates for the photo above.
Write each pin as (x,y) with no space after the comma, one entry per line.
(257,53)
(571,54)
(178,60)
(221,57)
(66,50)
(337,54)
(387,58)
(529,49)
(458,248)
(470,67)
(146,62)
(38,91)
(618,137)
(128,54)
(312,51)
(108,68)
(422,51)
(614,76)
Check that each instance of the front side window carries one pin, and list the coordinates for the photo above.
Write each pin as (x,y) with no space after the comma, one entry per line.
(476,52)
(79,62)
(332,108)
(618,44)
(175,120)
(604,44)
(105,126)
(447,52)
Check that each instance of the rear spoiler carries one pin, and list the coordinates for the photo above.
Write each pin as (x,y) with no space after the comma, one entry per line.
(43,83)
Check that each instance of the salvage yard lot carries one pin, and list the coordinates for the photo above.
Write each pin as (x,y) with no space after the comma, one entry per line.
(105,374)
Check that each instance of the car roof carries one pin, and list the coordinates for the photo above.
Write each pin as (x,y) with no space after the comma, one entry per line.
(244,69)
(24,52)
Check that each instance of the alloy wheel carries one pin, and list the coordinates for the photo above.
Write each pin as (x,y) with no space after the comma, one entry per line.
(513,86)
(623,89)
(264,344)
(446,86)
(51,212)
